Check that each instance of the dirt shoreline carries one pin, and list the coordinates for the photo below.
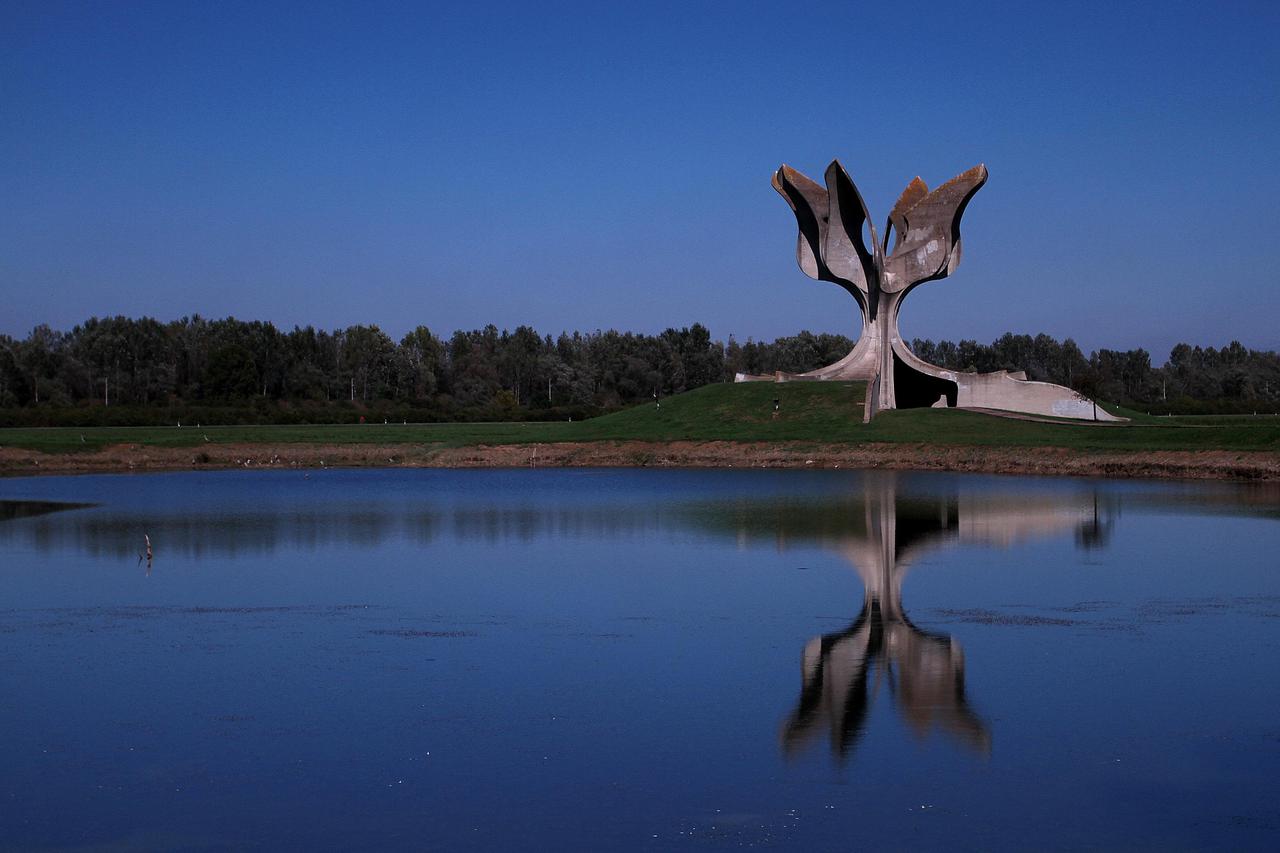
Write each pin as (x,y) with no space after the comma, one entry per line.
(1043,461)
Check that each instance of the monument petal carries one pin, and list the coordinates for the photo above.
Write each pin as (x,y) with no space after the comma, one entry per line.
(809,203)
(844,251)
(897,222)
(930,232)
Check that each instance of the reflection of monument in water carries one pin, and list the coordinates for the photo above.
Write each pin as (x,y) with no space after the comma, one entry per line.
(881,533)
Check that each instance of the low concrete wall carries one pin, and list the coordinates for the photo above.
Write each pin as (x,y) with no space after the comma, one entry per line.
(1002,391)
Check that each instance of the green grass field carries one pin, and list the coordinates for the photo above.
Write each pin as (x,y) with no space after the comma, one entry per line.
(817,412)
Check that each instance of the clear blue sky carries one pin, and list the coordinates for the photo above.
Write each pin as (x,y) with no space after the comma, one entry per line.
(583,166)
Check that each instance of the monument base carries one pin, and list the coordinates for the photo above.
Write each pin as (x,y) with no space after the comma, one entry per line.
(919,384)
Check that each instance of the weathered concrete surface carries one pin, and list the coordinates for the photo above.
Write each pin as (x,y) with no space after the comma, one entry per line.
(925,229)
(1002,391)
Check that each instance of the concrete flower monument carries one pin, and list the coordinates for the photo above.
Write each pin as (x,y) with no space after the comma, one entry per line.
(924,227)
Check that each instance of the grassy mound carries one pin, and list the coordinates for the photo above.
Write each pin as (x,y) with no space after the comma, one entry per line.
(807,412)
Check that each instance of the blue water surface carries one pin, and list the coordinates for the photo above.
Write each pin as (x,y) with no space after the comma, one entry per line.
(637,659)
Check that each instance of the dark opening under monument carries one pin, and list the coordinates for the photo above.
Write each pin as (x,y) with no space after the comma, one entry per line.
(925,228)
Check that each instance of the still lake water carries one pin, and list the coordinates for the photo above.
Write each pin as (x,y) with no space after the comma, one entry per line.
(637,659)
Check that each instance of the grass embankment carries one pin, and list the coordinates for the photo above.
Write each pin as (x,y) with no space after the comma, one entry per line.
(814,413)
(808,411)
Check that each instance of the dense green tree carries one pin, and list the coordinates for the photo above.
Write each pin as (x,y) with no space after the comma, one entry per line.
(231,373)
(367,360)
(13,382)
(419,364)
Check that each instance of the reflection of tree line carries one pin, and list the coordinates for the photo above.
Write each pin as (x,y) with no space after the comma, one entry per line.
(11,510)
(197,533)
(829,519)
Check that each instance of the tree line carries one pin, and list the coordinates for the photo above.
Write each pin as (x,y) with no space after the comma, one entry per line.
(251,370)
(119,369)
